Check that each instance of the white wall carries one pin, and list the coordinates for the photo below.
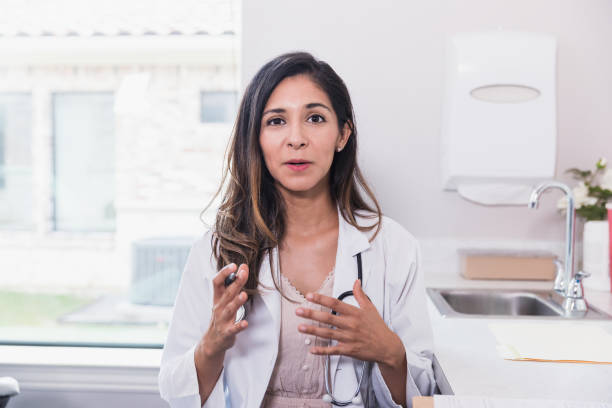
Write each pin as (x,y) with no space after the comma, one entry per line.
(391,56)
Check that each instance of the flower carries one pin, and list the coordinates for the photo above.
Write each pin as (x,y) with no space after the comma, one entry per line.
(581,197)
(601,163)
(593,191)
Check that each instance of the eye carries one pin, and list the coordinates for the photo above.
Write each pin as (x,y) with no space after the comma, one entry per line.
(319,118)
(274,121)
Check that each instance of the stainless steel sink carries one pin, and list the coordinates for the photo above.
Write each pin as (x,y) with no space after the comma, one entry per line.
(504,303)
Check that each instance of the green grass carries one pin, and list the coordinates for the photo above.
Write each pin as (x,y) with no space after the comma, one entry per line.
(33,317)
(35,309)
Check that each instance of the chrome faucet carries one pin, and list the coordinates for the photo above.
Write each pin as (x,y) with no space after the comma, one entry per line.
(567,283)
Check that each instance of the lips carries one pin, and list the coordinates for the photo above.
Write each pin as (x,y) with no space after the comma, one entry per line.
(298,162)
(298,165)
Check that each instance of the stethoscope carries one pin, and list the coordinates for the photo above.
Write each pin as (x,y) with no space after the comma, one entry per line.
(329,397)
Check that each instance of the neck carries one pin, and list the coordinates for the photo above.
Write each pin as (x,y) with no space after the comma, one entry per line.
(309,213)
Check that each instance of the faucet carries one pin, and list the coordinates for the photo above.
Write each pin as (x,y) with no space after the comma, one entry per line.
(567,283)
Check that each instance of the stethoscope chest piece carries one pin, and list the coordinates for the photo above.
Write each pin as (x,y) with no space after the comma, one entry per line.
(240,314)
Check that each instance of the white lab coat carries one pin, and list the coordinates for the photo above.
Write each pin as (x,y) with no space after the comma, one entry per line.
(392,278)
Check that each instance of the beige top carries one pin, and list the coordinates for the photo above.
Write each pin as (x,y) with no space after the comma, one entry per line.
(298,378)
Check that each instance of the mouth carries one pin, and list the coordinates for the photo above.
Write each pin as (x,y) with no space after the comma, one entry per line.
(298,165)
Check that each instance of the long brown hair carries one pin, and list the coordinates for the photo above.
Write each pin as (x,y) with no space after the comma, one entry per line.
(250,221)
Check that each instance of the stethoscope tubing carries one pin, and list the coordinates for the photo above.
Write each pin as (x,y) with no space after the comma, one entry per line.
(241,314)
(334,401)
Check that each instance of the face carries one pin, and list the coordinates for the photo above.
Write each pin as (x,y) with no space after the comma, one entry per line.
(300,125)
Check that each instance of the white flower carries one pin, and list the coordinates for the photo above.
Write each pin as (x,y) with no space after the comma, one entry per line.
(601,163)
(606,180)
(581,197)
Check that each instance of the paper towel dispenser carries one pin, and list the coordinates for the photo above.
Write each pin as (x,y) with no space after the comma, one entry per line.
(499,119)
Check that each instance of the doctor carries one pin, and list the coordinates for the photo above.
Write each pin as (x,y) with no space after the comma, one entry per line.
(295,228)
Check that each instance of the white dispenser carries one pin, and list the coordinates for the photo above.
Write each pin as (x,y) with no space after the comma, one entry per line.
(499,120)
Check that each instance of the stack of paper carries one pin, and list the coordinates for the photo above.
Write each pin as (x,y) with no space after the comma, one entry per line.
(565,342)
(451,401)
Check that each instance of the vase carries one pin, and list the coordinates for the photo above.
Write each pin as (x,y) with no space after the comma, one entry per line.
(595,255)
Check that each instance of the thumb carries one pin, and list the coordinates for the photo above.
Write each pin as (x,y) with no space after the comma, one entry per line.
(360,295)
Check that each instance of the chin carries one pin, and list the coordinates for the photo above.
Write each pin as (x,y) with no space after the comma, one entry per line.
(298,186)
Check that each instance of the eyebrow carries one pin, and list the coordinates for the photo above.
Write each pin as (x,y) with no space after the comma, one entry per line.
(308,106)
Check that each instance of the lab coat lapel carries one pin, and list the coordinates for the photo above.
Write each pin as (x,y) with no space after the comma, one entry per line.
(269,294)
(351,241)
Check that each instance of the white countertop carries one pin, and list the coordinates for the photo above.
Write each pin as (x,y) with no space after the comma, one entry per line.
(466,351)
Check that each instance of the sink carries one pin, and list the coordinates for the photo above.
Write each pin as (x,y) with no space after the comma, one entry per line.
(502,303)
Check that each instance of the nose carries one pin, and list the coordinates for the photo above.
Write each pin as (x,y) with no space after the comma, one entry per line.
(296,138)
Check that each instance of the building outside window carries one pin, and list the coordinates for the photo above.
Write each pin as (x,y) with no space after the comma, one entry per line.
(15,161)
(113,127)
(2,148)
(83,161)
(219,106)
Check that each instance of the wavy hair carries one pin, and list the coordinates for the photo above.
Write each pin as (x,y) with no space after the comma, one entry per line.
(250,221)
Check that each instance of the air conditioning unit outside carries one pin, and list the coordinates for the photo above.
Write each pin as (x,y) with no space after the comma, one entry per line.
(157,266)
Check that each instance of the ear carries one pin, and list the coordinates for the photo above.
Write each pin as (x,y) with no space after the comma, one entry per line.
(345,133)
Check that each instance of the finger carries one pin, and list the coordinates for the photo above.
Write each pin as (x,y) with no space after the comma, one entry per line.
(329,350)
(218,286)
(232,307)
(362,298)
(219,279)
(332,303)
(334,334)
(234,289)
(323,317)
(237,327)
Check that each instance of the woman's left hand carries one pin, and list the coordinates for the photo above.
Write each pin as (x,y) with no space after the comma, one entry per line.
(360,331)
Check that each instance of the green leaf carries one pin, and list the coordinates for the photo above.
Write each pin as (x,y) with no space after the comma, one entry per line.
(579,174)
(600,193)
(592,212)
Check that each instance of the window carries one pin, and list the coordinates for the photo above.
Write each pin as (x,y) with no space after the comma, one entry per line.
(16,182)
(103,156)
(218,106)
(2,142)
(84,157)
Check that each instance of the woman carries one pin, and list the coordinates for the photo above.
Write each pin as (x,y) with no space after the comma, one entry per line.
(295,228)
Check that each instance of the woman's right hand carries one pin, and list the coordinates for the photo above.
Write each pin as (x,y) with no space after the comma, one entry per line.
(222,331)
